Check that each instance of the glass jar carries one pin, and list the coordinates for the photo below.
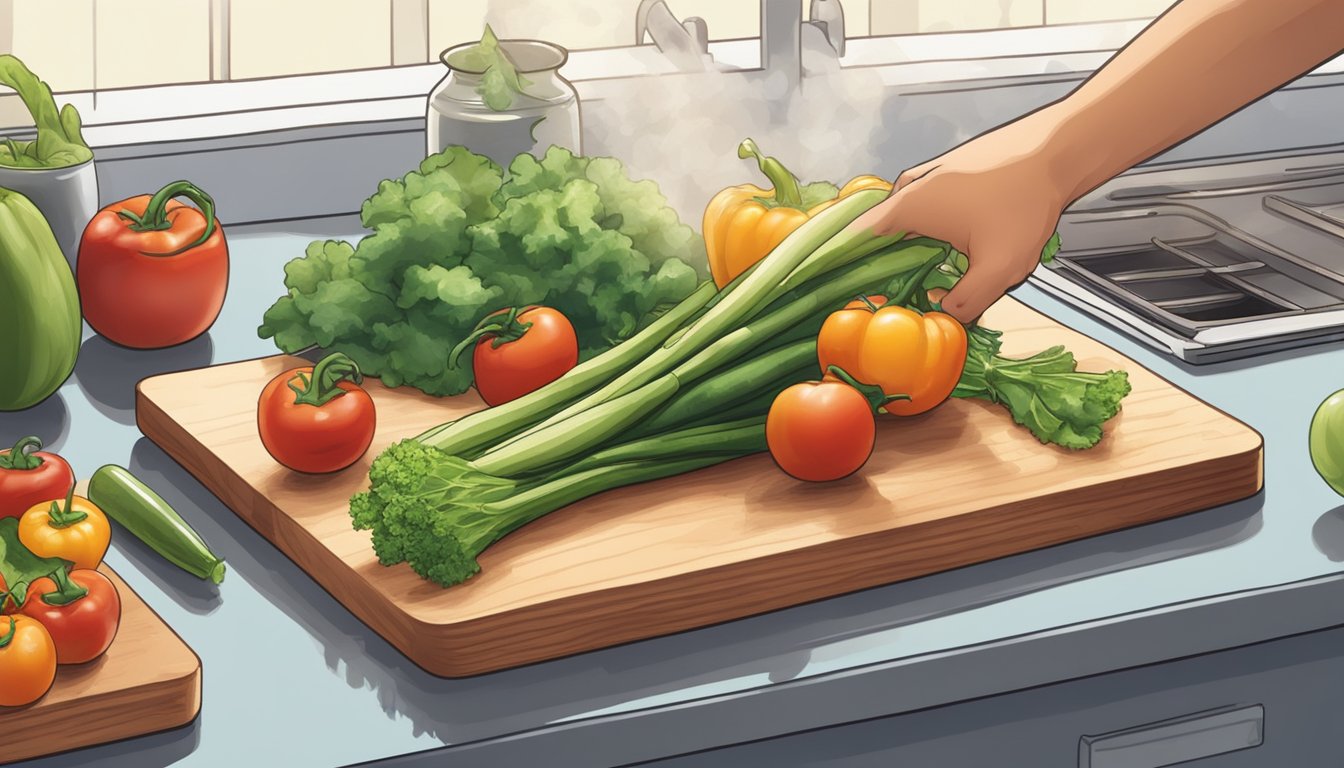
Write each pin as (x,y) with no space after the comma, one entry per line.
(545,113)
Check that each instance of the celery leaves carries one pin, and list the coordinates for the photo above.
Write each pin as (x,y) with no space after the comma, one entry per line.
(1045,392)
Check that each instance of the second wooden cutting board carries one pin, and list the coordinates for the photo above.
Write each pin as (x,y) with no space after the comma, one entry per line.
(956,486)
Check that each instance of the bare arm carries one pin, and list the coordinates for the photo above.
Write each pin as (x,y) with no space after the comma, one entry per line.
(998,197)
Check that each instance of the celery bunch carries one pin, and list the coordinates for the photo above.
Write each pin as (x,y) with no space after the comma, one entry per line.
(688,391)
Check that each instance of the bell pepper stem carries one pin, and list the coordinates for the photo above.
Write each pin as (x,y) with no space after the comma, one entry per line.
(321,388)
(23,454)
(784,182)
(9,635)
(58,517)
(501,329)
(67,591)
(155,217)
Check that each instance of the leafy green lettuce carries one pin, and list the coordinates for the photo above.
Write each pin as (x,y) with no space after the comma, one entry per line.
(457,238)
(59,142)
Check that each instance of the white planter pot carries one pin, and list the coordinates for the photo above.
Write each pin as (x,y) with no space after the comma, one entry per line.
(67,198)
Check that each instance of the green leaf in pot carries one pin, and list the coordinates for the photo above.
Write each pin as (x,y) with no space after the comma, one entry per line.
(500,80)
(59,142)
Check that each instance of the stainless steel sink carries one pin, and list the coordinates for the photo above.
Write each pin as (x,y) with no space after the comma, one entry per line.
(1213,262)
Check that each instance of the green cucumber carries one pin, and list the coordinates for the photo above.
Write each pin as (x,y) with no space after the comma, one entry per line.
(122,497)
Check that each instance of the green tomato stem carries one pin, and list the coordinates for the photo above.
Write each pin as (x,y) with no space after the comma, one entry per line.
(155,217)
(874,394)
(67,591)
(502,330)
(321,388)
(20,457)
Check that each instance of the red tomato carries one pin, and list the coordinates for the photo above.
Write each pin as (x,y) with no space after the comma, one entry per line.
(317,419)
(82,628)
(518,352)
(152,272)
(820,430)
(31,477)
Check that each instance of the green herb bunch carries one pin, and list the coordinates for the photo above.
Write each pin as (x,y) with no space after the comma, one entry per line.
(458,238)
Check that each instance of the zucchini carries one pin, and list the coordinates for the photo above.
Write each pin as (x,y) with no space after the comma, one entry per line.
(150,519)
(40,322)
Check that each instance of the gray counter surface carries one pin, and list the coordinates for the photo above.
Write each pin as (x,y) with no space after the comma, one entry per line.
(292,678)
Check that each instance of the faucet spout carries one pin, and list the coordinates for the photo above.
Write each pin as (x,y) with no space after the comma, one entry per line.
(685,44)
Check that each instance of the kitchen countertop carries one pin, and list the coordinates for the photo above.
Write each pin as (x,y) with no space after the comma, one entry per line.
(290,675)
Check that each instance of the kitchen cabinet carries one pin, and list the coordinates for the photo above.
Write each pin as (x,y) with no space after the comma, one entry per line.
(1273,702)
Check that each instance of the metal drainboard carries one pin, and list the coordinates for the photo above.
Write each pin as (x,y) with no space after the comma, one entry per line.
(1177,283)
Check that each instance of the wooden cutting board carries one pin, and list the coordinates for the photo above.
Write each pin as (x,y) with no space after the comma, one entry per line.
(148,681)
(959,485)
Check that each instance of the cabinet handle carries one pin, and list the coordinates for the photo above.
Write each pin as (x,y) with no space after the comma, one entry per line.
(1168,742)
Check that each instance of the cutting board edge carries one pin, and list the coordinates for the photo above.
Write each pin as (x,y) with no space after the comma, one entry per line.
(172,703)
(453,649)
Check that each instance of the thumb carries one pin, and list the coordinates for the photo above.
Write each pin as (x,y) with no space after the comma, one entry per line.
(888,217)
(993,271)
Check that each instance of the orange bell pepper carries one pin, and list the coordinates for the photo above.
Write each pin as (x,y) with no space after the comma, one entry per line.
(903,351)
(745,222)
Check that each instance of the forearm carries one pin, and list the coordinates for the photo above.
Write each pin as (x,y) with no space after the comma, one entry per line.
(1201,61)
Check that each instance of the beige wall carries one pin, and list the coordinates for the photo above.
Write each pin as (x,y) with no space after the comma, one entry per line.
(119,43)
(895,17)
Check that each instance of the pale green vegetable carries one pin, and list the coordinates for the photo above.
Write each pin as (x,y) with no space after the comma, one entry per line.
(1326,441)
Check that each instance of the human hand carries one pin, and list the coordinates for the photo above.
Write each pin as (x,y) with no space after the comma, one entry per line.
(996,198)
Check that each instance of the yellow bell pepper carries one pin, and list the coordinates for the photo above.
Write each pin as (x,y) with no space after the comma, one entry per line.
(745,222)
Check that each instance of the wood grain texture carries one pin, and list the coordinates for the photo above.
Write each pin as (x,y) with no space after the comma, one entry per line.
(148,681)
(956,486)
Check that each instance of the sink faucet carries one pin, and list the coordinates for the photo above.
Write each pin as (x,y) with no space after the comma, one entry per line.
(686,44)
(788,44)
(793,46)
(828,17)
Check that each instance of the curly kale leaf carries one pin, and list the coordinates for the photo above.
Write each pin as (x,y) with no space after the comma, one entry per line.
(454,240)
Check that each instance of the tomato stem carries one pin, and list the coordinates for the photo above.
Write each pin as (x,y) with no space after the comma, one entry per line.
(67,591)
(502,330)
(13,627)
(64,518)
(876,397)
(321,388)
(20,457)
(784,182)
(155,217)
